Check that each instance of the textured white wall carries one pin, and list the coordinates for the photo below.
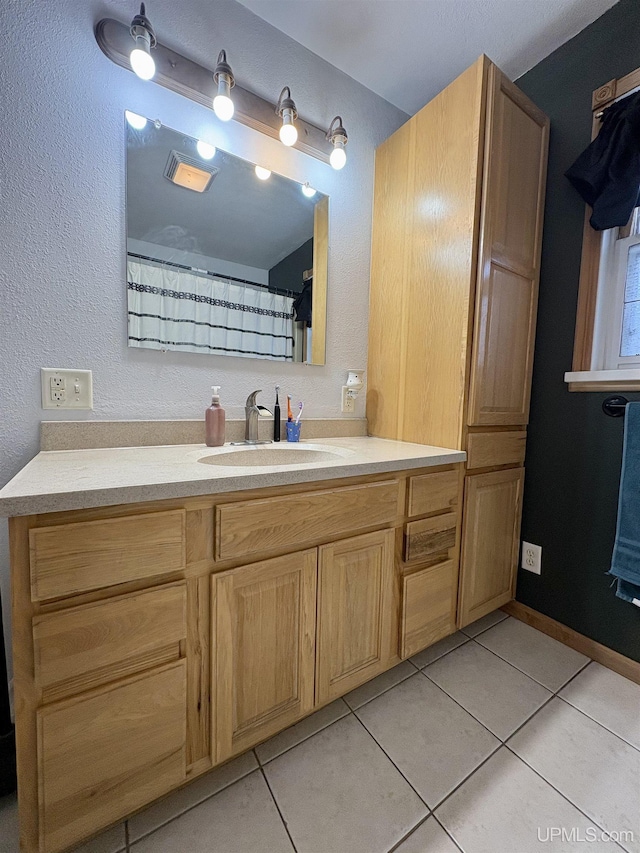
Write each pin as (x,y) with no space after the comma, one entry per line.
(62,218)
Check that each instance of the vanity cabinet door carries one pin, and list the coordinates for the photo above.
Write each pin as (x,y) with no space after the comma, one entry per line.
(263,630)
(357,613)
(490,542)
(109,752)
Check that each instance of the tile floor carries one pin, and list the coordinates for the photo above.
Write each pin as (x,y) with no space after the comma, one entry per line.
(492,741)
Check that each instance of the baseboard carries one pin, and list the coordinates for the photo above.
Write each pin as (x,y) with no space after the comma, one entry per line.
(607,657)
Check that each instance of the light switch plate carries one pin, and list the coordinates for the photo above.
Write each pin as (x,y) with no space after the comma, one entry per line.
(66,389)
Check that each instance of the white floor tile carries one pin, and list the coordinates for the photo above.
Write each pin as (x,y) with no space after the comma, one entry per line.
(378,685)
(495,693)
(438,650)
(485,622)
(546,660)
(110,841)
(592,767)
(609,699)
(507,808)
(241,819)
(185,798)
(301,731)
(429,837)
(339,793)
(432,740)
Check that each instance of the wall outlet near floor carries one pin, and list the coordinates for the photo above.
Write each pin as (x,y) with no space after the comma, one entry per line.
(66,389)
(348,400)
(532,557)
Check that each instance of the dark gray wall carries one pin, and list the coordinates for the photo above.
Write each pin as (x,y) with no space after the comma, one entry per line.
(287,275)
(574,450)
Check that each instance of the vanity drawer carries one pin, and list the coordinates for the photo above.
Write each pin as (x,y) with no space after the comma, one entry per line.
(489,449)
(429,537)
(73,558)
(433,492)
(93,643)
(428,607)
(293,521)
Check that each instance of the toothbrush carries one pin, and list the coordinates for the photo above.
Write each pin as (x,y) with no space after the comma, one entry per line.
(300,412)
(276,417)
(289,412)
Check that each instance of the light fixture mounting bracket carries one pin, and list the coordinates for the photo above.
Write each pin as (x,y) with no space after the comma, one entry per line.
(194,81)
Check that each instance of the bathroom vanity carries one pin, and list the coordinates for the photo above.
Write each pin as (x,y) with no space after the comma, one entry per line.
(174,612)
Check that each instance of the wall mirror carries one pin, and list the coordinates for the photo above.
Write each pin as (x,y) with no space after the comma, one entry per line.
(222,257)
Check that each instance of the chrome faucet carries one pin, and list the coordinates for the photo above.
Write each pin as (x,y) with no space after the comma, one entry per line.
(252,412)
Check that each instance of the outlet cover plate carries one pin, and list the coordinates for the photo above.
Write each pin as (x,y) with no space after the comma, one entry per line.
(531,558)
(66,389)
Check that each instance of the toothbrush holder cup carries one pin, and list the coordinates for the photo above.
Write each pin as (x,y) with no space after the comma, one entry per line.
(293,431)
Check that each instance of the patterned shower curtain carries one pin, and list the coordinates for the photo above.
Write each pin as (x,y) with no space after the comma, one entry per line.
(180,309)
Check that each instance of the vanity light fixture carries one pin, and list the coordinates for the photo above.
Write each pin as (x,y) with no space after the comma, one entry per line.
(338,138)
(205,149)
(143,35)
(137,122)
(308,190)
(225,81)
(287,111)
(262,173)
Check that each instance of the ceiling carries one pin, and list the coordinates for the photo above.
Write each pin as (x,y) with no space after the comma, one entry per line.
(239,218)
(409,50)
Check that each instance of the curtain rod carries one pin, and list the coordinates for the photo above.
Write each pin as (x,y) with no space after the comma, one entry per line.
(290,293)
(619,98)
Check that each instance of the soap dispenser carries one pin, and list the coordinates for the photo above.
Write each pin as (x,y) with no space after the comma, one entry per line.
(214,418)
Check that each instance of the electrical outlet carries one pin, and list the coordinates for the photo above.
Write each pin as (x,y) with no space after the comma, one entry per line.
(532,558)
(348,400)
(66,389)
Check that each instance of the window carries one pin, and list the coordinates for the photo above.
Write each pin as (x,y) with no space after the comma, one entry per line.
(607,342)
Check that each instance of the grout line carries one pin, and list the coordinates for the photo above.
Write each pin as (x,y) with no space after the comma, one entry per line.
(275,802)
(382,692)
(308,737)
(597,722)
(528,720)
(440,823)
(444,654)
(410,833)
(375,740)
(453,699)
(564,796)
(546,687)
(127,846)
(192,807)
(489,627)
(468,776)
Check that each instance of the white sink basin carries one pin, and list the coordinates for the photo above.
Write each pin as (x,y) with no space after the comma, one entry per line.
(274,455)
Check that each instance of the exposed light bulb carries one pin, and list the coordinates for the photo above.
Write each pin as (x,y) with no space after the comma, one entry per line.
(224,80)
(142,63)
(142,33)
(308,191)
(262,173)
(137,122)
(223,107)
(338,157)
(206,150)
(288,134)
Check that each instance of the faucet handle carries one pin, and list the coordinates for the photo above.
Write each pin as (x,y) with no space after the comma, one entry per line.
(251,399)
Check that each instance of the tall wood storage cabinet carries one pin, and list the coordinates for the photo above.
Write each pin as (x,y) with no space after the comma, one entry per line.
(458,206)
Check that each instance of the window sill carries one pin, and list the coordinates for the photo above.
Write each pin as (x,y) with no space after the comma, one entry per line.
(603,380)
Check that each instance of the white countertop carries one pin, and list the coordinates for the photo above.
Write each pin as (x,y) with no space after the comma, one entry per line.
(61,480)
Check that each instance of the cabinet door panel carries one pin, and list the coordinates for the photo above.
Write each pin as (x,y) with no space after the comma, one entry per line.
(490,542)
(357,613)
(263,628)
(508,270)
(428,607)
(108,753)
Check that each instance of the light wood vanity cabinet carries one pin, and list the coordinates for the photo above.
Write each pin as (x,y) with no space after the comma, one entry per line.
(154,641)
(457,228)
